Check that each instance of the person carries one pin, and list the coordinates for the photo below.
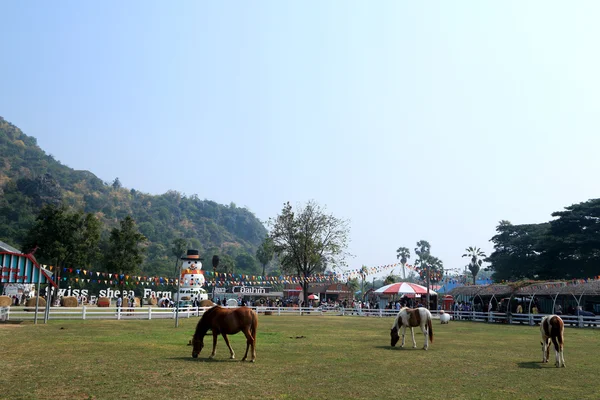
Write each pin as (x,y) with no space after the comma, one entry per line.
(558,309)
(130,304)
(119,303)
(519,309)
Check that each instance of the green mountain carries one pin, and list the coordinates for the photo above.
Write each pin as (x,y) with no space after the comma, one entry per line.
(30,178)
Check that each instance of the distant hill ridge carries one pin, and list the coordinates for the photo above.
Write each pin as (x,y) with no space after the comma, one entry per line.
(30,178)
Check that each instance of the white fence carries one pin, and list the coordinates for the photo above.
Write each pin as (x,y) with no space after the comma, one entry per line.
(92,312)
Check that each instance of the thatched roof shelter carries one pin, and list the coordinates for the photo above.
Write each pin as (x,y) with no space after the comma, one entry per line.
(531,288)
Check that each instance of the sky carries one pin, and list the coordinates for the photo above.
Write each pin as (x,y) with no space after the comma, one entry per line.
(412,120)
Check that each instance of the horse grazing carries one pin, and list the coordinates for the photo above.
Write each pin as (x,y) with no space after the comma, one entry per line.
(412,317)
(226,321)
(553,328)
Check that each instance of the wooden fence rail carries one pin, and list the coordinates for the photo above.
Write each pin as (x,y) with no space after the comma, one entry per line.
(16,313)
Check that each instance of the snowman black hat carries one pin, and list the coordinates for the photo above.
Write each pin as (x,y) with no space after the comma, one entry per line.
(192,255)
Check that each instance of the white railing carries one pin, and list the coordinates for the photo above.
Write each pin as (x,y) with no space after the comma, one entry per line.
(149,312)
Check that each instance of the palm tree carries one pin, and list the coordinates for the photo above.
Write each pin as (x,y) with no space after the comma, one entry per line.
(403,254)
(422,250)
(476,260)
(363,274)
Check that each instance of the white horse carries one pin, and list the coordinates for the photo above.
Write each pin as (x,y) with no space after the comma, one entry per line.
(412,317)
(553,328)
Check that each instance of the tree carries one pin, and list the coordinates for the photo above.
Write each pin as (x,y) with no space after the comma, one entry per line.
(116,184)
(265,252)
(403,254)
(391,279)
(353,285)
(363,275)
(178,250)
(308,240)
(62,238)
(227,264)
(126,251)
(516,252)
(571,247)
(476,256)
(246,264)
(424,262)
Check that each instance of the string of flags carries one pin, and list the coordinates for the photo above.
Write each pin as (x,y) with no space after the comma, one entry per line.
(214,278)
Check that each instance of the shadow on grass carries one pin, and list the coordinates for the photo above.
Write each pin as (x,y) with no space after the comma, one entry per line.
(398,348)
(210,360)
(530,365)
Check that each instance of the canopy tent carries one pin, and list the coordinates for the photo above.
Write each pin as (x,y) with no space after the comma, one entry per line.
(403,288)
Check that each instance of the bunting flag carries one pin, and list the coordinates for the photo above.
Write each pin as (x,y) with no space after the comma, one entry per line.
(227,279)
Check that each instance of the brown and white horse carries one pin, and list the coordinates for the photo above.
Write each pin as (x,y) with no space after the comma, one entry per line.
(226,321)
(553,328)
(412,317)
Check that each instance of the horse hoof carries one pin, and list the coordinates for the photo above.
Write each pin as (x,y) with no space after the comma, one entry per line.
(252,361)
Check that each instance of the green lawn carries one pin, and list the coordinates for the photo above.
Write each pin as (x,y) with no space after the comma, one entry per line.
(298,357)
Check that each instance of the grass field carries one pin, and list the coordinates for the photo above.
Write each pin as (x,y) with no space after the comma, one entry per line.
(308,357)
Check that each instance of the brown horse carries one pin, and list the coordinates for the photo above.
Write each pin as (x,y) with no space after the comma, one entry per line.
(552,328)
(226,321)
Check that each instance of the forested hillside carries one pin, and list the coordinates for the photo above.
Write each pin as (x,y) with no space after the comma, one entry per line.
(30,178)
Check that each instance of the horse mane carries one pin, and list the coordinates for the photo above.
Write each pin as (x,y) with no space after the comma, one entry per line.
(205,317)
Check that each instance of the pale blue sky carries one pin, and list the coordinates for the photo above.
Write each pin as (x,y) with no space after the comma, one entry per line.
(414,120)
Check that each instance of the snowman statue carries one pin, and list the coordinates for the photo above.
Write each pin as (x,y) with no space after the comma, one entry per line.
(192,278)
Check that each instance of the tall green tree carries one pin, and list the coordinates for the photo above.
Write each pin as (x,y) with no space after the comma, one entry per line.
(178,250)
(403,254)
(246,264)
(265,253)
(353,285)
(363,274)
(517,250)
(227,264)
(477,256)
(64,238)
(126,249)
(391,279)
(571,247)
(308,240)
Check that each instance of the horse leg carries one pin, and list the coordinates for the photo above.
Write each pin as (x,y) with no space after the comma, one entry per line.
(562,355)
(249,342)
(232,354)
(212,355)
(424,330)
(403,332)
(412,332)
(545,350)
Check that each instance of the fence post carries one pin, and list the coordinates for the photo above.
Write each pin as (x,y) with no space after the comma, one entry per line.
(580,321)
(118,312)
(83,312)
(278,311)
(149,313)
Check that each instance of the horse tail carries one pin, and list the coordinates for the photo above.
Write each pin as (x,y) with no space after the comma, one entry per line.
(254,325)
(429,327)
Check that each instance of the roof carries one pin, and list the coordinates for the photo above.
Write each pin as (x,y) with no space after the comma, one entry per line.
(8,248)
(530,288)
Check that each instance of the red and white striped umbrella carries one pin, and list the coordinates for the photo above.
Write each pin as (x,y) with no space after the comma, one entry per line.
(404,288)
